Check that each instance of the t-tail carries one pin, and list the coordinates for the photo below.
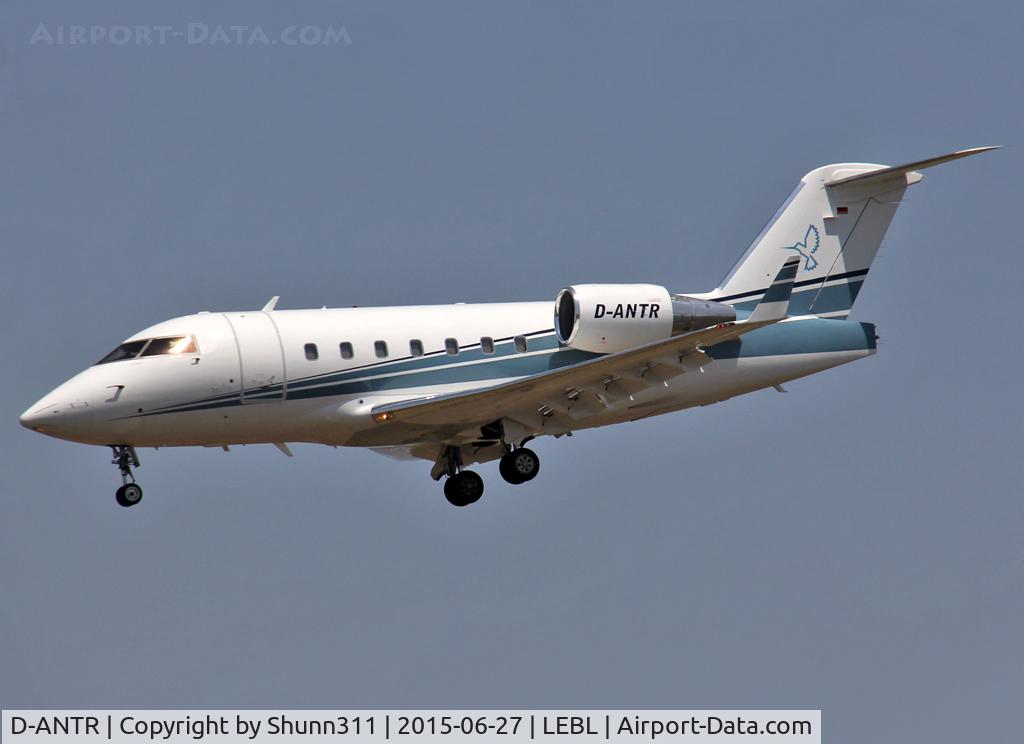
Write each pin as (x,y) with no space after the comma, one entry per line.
(833,223)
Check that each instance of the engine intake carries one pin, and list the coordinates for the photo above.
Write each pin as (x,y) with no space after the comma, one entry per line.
(606,318)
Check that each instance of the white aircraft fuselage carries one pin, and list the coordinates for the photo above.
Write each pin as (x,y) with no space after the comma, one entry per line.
(250,378)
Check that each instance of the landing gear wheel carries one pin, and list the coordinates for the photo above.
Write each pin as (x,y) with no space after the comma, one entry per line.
(463,489)
(507,470)
(519,466)
(129,494)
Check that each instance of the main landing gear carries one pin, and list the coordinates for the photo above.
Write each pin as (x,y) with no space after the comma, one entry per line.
(464,487)
(519,465)
(130,493)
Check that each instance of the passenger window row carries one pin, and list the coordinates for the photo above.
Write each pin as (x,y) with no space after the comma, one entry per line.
(380,348)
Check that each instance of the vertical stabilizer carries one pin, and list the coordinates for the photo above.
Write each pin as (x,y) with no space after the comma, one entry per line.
(833,222)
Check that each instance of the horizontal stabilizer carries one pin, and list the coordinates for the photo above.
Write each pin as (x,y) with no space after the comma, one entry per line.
(895,171)
(774,305)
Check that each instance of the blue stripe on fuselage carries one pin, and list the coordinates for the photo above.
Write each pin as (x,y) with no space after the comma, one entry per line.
(500,368)
(804,336)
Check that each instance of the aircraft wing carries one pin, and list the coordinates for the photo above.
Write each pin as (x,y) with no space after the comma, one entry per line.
(544,401)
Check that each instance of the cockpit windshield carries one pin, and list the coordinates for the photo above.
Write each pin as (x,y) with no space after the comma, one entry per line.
(175,345)
(152,347)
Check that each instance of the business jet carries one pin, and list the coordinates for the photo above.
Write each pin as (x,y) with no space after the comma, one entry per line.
(471,383)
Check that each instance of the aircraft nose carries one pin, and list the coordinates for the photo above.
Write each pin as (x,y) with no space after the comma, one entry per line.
(35,415)
(62,413)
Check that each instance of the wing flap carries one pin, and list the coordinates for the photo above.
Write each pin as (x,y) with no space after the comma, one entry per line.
(596,377)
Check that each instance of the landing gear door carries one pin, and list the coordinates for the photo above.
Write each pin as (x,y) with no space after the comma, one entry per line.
(260,356)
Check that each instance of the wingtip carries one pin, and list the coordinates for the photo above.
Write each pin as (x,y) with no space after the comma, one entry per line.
(976,150)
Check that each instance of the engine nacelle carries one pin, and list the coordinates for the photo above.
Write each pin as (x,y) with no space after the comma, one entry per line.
(606,318)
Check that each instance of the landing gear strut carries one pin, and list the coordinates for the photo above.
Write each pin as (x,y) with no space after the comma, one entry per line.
(130,493)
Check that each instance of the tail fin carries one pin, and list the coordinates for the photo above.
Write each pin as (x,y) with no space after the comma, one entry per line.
(833,223)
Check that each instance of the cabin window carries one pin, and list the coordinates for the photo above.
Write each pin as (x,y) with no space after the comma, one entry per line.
(346,350)
(521,345)
(416,347)
(312,353)
(451,346)
(487,345)
(380,348)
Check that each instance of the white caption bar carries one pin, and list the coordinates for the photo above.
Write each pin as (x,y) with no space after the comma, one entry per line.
(412,726)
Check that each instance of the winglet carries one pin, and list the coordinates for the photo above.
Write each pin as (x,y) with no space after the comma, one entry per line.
(271,304)
(774,306)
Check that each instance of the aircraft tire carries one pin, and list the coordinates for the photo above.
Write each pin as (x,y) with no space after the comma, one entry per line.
(463,489)
(129,494)
(519,466)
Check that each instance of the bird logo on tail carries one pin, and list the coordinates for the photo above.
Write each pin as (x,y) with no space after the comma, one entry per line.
(807,248)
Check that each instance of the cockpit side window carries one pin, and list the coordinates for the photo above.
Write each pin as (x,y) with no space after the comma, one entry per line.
(129,350)
(152,347)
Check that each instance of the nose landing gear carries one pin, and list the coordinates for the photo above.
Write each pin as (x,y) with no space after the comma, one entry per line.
(130,493)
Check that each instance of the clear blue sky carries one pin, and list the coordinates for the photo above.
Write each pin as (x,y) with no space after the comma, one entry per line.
(854,546)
